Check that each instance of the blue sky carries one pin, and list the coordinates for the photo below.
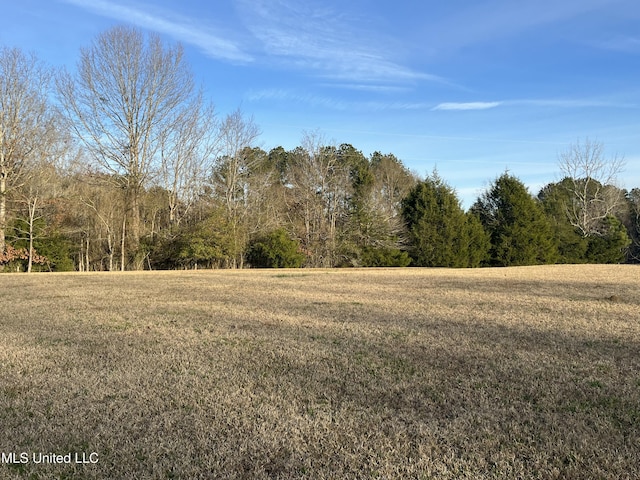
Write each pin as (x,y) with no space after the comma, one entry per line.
(471,87)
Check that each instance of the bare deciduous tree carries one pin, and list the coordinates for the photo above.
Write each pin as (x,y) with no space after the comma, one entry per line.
(187,153)
(121,104)
(27,126)
(101,207)
(591,178)
(318,197)
(393,182)
(37,189)
(237,133)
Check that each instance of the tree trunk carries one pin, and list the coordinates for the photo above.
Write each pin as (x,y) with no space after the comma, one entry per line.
(122,251)
(110,245)
(134,227)
(3,209)
(32,218)
(81,256)
(30,262)
(86,252)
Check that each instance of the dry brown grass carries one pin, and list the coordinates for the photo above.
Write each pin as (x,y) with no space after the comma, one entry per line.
(403,373)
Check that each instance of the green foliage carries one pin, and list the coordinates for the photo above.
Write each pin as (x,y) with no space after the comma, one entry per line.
(384,257)
(360,173)
(519,230)
(371,232)
(16,257)
(275,250)
(58,250)
(608,241)
(555,199)
(478,241)
(440,233)
(279,159)
(633,224)
(609,248)
(203,244)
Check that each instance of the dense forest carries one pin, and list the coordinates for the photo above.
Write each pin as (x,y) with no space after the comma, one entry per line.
(123,164)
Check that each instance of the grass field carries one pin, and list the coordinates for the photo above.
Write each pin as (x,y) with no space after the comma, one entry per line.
(529,372)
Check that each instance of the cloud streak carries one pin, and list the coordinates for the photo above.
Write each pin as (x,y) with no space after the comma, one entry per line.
(291,96)
(541,103)
(496,19)
(304,36)
(467,106)
(182,29)
(322,101)
(309,36)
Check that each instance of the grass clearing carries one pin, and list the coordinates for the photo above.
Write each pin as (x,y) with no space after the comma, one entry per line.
(530,372)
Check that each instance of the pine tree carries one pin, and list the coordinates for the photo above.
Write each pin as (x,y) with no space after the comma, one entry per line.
(555,199)
(607,240)
(440,233)
(520,232)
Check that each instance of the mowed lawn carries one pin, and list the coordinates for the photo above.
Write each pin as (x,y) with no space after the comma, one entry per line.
(529,372)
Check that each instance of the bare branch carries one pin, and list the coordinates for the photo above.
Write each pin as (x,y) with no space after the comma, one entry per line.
(28,130)
(591,179)
(124,103)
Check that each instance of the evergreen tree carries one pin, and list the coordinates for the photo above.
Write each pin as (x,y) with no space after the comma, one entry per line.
(275,250)
(607,241)
(440,233)
(632,222)
(555,199)
(520,232)
(478,241)
(611,247)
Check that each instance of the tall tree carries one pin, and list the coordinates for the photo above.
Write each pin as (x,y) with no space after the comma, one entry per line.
(318,190)
(611,247)
(27,122)
(520,232)
(633,223)
(590,178)
(384,238)
(122,102)
(363,225)
(264,197)
(554,199)
(440,233)
(187,152)
(393,181)
(231,175)
(33,196)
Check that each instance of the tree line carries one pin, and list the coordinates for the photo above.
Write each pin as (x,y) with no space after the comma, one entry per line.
(123,164)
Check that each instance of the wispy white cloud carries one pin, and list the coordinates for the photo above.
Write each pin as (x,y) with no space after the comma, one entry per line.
(366,87)
(497,19)
(467,106)
(182,29)
(315,100)
(542,103)
(284,96)
(312,37)
(289,96)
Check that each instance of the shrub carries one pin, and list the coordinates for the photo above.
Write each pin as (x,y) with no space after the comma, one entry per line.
(275,250)
(384,257)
